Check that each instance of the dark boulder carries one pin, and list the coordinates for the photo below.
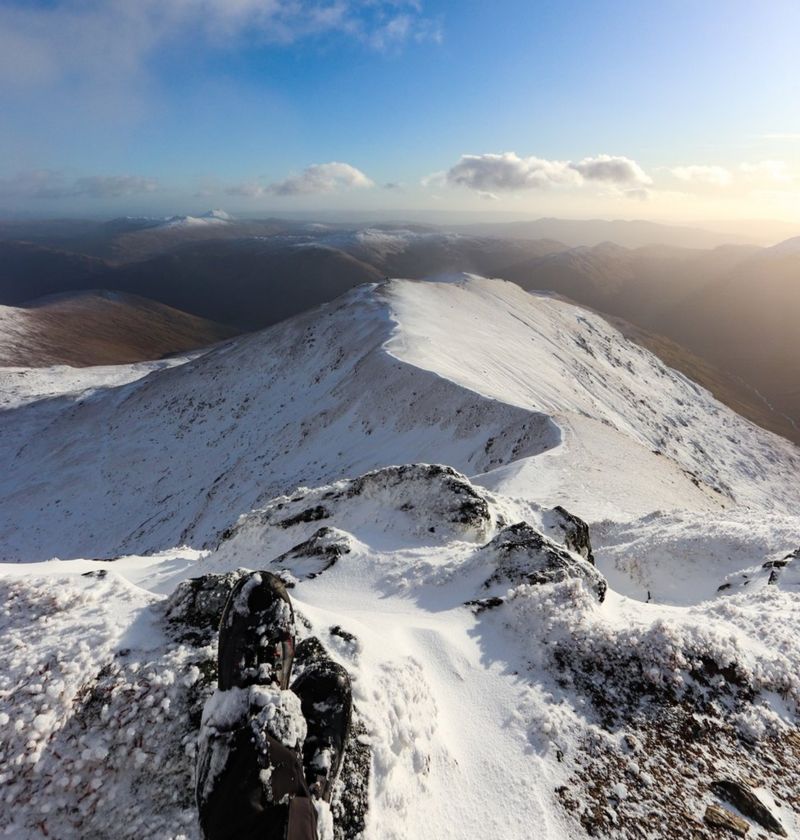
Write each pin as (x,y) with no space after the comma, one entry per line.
(575,532)
(193,611)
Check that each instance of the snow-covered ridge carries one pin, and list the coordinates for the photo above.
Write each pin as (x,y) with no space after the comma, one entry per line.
(212,217)
(395,373)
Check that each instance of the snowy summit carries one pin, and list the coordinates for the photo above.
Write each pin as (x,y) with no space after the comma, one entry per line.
(562,577)
(212,217)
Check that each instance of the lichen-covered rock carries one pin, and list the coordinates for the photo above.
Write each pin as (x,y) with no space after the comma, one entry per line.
(722,818)
(520,554)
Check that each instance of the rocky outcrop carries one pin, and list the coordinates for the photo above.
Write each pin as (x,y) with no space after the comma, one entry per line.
(521,554)
(193,611)
(433,501)
(570,530)
(315,555)
(438,493)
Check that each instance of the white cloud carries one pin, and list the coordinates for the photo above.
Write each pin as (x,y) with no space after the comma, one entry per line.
(776,171)
(638,194)
(315,179)
(613,170)
(45,183)
(435,180)
(322,178)
(509,172)
(717,176)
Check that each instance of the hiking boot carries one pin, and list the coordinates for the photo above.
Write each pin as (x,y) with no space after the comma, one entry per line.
(327,703)
(256,636)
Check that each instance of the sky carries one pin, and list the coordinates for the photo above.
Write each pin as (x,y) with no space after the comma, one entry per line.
(678,110)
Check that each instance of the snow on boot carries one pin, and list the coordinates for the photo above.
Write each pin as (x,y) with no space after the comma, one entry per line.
(257,632)
(327,703)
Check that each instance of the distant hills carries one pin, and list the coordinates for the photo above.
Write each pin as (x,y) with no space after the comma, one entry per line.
(735,307)
(99,328)
(629,234)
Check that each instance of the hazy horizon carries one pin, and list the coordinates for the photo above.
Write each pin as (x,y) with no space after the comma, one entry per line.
(674,113)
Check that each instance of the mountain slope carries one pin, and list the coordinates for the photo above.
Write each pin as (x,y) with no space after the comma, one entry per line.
(488,658)
(99,328)
(512,665)
(395,373)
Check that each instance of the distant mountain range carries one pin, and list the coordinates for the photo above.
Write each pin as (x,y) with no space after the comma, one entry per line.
(629,234)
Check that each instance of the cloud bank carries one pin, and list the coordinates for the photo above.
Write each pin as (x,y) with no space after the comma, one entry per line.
(701,174)
(319,178)
(508,172)
(44,183)
(763,172)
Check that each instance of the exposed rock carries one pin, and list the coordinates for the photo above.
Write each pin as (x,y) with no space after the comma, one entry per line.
(313,514)
(522,555)
(443,494)
(480,605)
(722,818)
(742,797)
(336,630)
(314,556)
(776,564)
(575,532)
(194,609)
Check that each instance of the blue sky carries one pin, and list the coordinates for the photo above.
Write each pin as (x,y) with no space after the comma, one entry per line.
(633,109)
